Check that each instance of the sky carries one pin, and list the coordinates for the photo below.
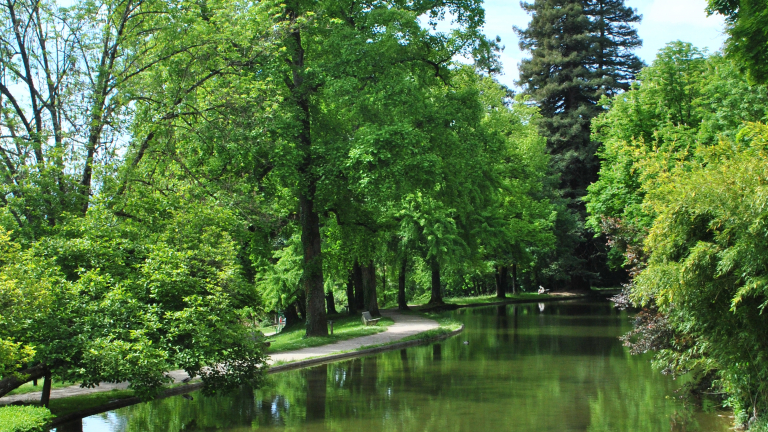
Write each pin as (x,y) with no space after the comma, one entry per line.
(663,21)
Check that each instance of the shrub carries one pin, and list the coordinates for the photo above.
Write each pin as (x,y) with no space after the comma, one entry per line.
(24,419)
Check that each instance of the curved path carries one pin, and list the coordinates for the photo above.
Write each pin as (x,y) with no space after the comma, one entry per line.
(405,325)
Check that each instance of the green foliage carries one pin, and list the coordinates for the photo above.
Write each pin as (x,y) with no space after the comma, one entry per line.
(747,43)
(681,196)
(24,419)
(683,101)
(114,302)
(707,265)
(239,158)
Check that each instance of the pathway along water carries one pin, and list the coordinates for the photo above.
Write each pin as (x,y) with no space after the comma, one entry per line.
(533,368)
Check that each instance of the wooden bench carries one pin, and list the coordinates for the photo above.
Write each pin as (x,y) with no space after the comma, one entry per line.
(369,320)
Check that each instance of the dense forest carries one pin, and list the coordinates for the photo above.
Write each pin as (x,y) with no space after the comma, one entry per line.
(175,173)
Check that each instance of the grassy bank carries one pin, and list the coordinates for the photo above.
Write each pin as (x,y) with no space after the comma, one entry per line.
(494,299)
(344,327)
(422,304)
(68,405)
(29,388)
(447,325)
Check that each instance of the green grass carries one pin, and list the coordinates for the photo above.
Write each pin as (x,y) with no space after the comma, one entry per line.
(447,325)
(485,299)
(29,388)
(68,405)
(446,322)
(344,327)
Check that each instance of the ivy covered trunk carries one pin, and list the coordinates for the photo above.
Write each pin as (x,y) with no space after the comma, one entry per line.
(312,276)
(313,269)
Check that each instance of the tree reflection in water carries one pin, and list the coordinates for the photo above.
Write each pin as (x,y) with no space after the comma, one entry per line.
(561,369)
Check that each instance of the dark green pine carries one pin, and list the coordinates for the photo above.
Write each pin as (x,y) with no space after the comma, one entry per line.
(580,51)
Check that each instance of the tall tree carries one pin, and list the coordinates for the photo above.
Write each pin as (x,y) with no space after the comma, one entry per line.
(580,51)
(73,80)
(336,49)
(613,40)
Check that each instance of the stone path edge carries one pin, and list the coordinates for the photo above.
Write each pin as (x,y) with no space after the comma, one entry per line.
(299,364)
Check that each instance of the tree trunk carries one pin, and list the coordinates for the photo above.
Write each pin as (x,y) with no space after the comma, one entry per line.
(437,295)
(401,303)
(384,283)
(13,382)
(369,283)
(313,268)
(497,280)
(312,276)
(330,302)
(351,301)
(357,273)
(514,279)
(45,399)
(501,282)
(291,317)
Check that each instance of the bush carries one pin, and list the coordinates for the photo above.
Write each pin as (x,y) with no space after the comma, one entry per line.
(24,419)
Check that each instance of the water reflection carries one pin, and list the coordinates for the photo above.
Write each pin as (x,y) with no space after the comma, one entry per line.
(524,369)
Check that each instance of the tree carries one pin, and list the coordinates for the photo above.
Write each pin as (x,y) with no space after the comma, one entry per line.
(747,44)
(706,269)
(683,101)
(580,50)
(114,302)
(679,197)
(113,308)
(559,80)
(333,47)
(614,64)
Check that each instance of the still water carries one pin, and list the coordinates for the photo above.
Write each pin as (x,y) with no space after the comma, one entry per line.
(534,368)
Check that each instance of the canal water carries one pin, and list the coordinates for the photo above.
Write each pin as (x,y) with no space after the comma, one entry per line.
(533,367)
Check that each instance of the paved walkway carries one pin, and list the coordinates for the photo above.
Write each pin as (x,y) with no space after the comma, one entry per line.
(404,326)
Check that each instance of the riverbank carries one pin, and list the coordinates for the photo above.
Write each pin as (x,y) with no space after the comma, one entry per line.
(422,325)
(404,329)
(453,303)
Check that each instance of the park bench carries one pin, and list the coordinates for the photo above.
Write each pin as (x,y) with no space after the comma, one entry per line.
(369,320)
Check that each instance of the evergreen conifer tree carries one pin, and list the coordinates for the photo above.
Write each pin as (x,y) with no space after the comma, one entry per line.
(580,51)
